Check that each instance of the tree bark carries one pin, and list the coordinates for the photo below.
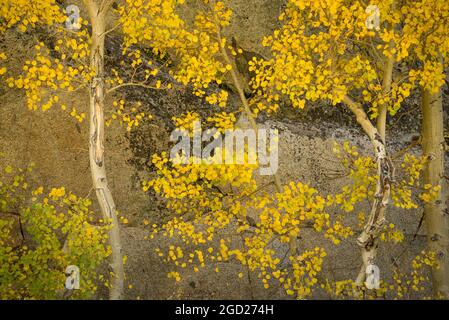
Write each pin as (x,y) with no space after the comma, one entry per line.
(386,84)
(386,87)
(96,146)
(368,239)
(435,216)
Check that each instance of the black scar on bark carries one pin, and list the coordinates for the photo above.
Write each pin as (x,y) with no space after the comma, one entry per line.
(378,138)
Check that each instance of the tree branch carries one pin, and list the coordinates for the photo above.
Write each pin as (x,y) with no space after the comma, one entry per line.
(368,239)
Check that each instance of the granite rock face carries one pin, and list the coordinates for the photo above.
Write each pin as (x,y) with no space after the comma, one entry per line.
(59,146)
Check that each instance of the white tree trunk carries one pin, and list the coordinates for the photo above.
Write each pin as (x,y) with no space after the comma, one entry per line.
(435,216)
(368,239)
(96,148)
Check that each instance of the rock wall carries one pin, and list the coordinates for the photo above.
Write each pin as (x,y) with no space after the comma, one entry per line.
(58,146)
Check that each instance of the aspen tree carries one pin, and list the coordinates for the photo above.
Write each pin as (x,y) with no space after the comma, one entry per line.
(424,43)
(76,62)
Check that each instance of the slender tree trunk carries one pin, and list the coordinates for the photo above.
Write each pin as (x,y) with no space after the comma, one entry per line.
(252,119)
(96,147)
(368,239)
(239,87)
(386,87)
(435,217)
(386,84)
